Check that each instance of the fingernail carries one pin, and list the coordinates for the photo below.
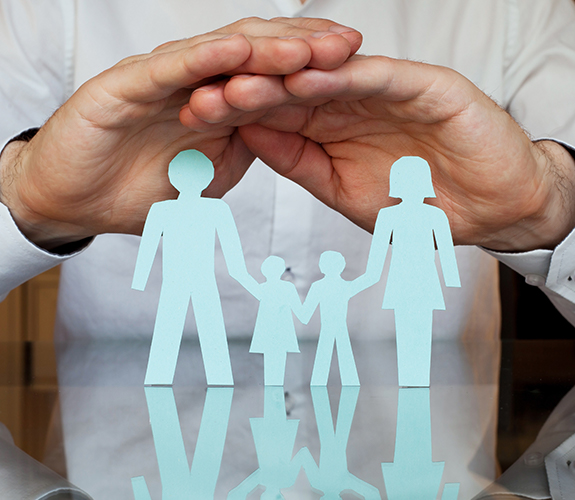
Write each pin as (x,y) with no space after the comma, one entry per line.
(322,34)
(338,28)
(229,36)
(242,76)
(290,38)
(207,88)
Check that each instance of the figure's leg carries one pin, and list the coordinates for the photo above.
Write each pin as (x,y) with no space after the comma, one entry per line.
(167,336)
(322,361)
(413,335)
(345,359)
(274,368)
(212,335)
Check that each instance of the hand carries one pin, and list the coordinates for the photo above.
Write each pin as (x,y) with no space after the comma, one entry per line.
(99,163)
(338,132)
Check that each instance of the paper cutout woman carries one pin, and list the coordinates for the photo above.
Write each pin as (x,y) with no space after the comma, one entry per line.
(413,473)
(331,294)
(413,290)
(274,332)
(188,226)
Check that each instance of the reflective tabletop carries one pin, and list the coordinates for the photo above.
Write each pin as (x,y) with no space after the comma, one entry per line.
(112,438)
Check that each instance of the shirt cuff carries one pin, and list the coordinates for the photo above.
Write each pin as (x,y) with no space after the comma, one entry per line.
(553,269)
(20,259)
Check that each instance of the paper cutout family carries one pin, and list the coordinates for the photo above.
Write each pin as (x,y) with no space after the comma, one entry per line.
(412,475)
(188,226)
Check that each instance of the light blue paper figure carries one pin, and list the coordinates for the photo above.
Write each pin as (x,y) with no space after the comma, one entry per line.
(274,333)
(332,477)
(332,294)
(274,438)
(188,226)
(413,290)
(413,473)
(179,482)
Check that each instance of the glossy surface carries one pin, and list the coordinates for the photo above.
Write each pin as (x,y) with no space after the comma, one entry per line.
(116,439)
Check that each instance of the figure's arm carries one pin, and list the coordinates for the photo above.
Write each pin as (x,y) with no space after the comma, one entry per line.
(304,459)
(309,305)
(377,252)
(241,491)
(232,250)
(148,245)
(295,303)
(446,251)
(366,490)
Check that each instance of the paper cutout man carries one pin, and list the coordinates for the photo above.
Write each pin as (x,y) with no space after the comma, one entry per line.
(413,290)
(332,294)
(188,226)
(178,481)
(274,437)
(332,477)
(413,473)
(274,333)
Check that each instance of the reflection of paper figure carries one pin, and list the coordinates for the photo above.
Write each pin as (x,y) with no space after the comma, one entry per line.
(274,438)
(274,333)
(413,474)
(413,290)
(178,481)
(332,294)
(332,477)
(188,226)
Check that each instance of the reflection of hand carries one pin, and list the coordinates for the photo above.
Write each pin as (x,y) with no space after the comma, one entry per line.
(100,162)
(337,133)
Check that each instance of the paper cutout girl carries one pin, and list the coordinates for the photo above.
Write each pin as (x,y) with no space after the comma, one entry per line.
(331,294)
(413,290)
(274,438)
(274,332)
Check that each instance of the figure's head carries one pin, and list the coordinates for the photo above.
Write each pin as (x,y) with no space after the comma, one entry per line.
(273,267)
(410,177)
(191,170)
(331,263)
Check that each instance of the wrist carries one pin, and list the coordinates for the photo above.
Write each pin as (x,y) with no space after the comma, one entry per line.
(553,214)
(45,233)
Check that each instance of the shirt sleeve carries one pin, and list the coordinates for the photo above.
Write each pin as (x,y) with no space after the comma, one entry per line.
(539,76)
(553,271)
(20,259)
(35,79)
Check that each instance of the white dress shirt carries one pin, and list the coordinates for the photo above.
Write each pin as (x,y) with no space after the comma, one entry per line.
(520,52)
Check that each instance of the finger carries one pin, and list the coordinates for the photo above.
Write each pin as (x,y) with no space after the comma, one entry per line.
(329,48)
(418,89)
(241,93)
(353,36)
(330,43)
(158,76)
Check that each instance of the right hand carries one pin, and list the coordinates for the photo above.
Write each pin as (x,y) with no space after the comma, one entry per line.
(100,162)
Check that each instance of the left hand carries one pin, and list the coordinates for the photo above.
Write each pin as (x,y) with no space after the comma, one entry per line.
(338,132)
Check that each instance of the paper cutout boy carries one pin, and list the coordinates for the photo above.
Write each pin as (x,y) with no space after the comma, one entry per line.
(274,333)
(332,476)
(188,226)
(332,294)
(413,290)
